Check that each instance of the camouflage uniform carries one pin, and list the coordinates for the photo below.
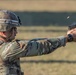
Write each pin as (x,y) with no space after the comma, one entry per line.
(10,52)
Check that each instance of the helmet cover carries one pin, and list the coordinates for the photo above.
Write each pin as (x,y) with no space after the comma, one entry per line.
(8,20)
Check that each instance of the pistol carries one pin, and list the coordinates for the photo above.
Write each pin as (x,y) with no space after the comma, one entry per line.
(72,26)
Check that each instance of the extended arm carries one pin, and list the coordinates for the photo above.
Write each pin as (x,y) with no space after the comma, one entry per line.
(23,48)
(34,47)
(44,46)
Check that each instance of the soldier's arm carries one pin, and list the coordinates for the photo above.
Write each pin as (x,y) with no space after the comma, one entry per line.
(44,46)
(31,48)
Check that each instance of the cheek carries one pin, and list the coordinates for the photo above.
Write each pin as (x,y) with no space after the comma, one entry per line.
(7,34)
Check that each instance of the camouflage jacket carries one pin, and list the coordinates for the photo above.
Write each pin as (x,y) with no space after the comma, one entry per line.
(10,52)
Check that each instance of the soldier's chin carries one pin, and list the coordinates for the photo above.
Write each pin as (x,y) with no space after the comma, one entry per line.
(12,38)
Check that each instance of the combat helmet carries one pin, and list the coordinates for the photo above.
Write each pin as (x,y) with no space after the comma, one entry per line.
(8,20)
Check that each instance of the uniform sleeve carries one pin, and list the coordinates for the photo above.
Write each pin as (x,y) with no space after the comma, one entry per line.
(33,47)
(45,46)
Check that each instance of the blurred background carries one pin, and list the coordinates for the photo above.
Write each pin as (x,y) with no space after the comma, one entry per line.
(46,18)
(42,12)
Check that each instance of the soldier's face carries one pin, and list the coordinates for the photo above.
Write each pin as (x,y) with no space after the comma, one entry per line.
(11,33)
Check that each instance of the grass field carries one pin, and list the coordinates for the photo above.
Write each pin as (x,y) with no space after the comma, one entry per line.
(60,62)
(39,5)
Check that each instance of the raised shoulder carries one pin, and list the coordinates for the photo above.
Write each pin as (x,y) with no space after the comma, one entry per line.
(12,49)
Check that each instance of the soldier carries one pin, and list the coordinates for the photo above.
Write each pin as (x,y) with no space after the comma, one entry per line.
(11,51)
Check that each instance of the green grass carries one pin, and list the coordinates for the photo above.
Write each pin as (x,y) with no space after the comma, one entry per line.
(29,32)
(60,62)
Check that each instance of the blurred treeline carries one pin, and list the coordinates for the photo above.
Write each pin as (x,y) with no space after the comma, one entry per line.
(42,12)
(47,18)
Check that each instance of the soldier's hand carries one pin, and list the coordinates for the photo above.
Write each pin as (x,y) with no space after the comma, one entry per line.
(72,34)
